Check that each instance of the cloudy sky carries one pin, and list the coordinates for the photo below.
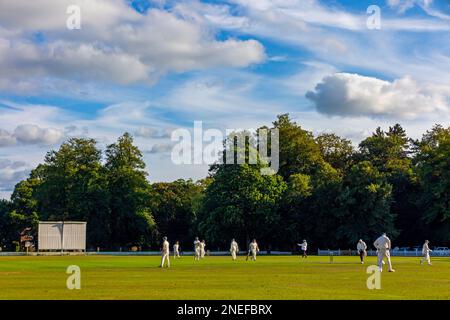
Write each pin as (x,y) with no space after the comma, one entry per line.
(150,66)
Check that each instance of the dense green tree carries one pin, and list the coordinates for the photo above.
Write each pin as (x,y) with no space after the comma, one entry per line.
(325,192)
(293,209)
(7,232)
(132,222)
(12,222)
(72,186)
(241,203)
(390,153)
(24,203)
(386,150)
(298,150)
(175,206)
(337,151)
(433,167)
(365,201)
(320,218)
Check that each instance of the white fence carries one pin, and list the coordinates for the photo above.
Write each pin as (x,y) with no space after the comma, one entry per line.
(400,253)
(185,253)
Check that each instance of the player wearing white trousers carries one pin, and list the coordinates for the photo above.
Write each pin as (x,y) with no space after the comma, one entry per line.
(253,249)
(176,250)
(234,249)
(383,245)
(197,249)
(165,253)
(361,247)
(426,253)
(202,249)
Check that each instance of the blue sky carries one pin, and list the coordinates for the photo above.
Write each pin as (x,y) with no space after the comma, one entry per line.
(148,67)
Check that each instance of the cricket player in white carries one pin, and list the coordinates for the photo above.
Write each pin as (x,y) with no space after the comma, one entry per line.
(176,250)
(165,253)
(202,249)
(383,245)
(361,247)
(196,249)
(234,249)
(303,246)
(253,249)
(426,253)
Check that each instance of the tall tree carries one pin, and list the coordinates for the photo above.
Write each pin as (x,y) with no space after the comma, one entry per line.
(175,208)
(299,152)
(7,232)
(132,222)
(365,205)
(433,167)
(390,153)
(24,202)
(320,218)
(72,186)
(337,151)
(241,202)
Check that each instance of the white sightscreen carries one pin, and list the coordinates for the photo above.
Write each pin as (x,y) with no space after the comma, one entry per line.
(74,236)
(57,235)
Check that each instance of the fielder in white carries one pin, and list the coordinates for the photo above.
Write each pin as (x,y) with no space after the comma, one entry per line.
(176,250)
(165,253)
(426,253)
(383,245)
(253,249)
(304,247)
(361,247)
(202,249)
(234,249)
(196,249)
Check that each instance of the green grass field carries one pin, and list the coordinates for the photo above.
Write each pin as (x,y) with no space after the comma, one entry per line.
(286,277)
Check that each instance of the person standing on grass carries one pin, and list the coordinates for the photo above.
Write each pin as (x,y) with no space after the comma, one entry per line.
(176,250)
(383,245)
(165,253)
(202,249)
(234,249)
(426,253)
(196,249)
(304,247)
(361,247)
(253,250)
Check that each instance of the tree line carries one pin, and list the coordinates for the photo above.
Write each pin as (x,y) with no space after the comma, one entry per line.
(326,190)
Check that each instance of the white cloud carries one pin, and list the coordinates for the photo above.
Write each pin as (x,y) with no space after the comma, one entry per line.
(6,139)
(340,38)
(30,134)
(115,44)
(355,95)
(149,132)
(44,15)
(146,132)
(311,74)
(11,172)
(165,147)
(401,5)
(225,100)
(426,5)
(296,16)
